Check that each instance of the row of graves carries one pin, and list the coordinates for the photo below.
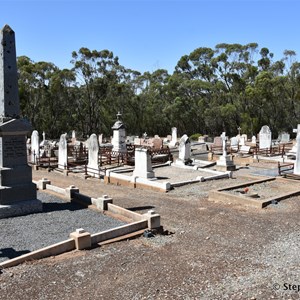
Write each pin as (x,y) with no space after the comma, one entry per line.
(95,155)
(139,161)
(261,146)
(271,184)
(128,160)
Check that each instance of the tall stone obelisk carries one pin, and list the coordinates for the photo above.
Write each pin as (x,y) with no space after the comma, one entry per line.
(17,191)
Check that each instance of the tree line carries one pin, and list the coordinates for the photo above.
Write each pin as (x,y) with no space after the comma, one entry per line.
(210,91)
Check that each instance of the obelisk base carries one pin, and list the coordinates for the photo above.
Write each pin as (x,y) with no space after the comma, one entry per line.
(21,208)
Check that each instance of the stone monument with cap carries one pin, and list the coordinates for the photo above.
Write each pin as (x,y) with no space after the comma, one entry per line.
(119,136)
(17,191)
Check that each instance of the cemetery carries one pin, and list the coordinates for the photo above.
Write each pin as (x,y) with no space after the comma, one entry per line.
(140,200)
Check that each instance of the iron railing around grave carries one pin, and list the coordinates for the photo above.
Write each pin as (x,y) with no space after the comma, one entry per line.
(42,159)
(284,169)
(78,159)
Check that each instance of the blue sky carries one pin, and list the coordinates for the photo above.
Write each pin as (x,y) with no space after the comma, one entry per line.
(147,35)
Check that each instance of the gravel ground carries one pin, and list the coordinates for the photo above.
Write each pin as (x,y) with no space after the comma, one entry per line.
(174,174)
(20,235)
(212,251)
(266,189)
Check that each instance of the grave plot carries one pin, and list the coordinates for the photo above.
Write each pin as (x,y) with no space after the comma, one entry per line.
(258,193)
(24,234)
(66,223)
(165,177)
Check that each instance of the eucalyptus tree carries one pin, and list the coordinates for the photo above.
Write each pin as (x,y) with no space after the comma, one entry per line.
(58,115)
(152,101)
(34,79)
(97,75)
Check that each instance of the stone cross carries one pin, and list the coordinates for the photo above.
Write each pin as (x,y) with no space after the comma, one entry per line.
(223,136)
(119,115)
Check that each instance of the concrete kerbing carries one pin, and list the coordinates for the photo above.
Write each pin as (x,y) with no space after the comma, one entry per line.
(41,184)
(102,202)
(220,195)
(125,212)
(55,189)
(136,182)
(55,249)
(69,192)
(84,240)
(153,219)
(118,231)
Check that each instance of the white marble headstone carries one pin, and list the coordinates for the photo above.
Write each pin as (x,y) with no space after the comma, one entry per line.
(265,137)
(62,151)
(184,148)
(174,136)
(143,166)
(93,146)
(297,163)
(284,137)
(35,146)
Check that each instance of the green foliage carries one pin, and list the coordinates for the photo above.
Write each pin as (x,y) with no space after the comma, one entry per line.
(210,91)
(195,136)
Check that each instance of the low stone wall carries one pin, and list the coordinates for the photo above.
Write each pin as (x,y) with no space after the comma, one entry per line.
(83,240)
(119,231)
(55,249)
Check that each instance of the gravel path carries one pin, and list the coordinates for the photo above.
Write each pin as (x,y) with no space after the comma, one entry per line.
(20,235)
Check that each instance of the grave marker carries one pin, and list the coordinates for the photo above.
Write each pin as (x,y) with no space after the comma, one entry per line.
(184,156)
(265,137)
(63,152)
(297,150)
(225,162)
(284,137)
(93,162)
(17,191)
(143,166)
(174,137)
(119,136)
(234,142)
(35,146)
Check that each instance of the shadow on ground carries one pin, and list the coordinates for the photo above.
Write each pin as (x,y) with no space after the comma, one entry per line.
(11,252)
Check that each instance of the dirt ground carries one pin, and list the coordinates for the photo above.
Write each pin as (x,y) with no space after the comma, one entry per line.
(210,251)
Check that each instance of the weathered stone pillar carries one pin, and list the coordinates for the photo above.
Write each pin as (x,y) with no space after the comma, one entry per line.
(17,191)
